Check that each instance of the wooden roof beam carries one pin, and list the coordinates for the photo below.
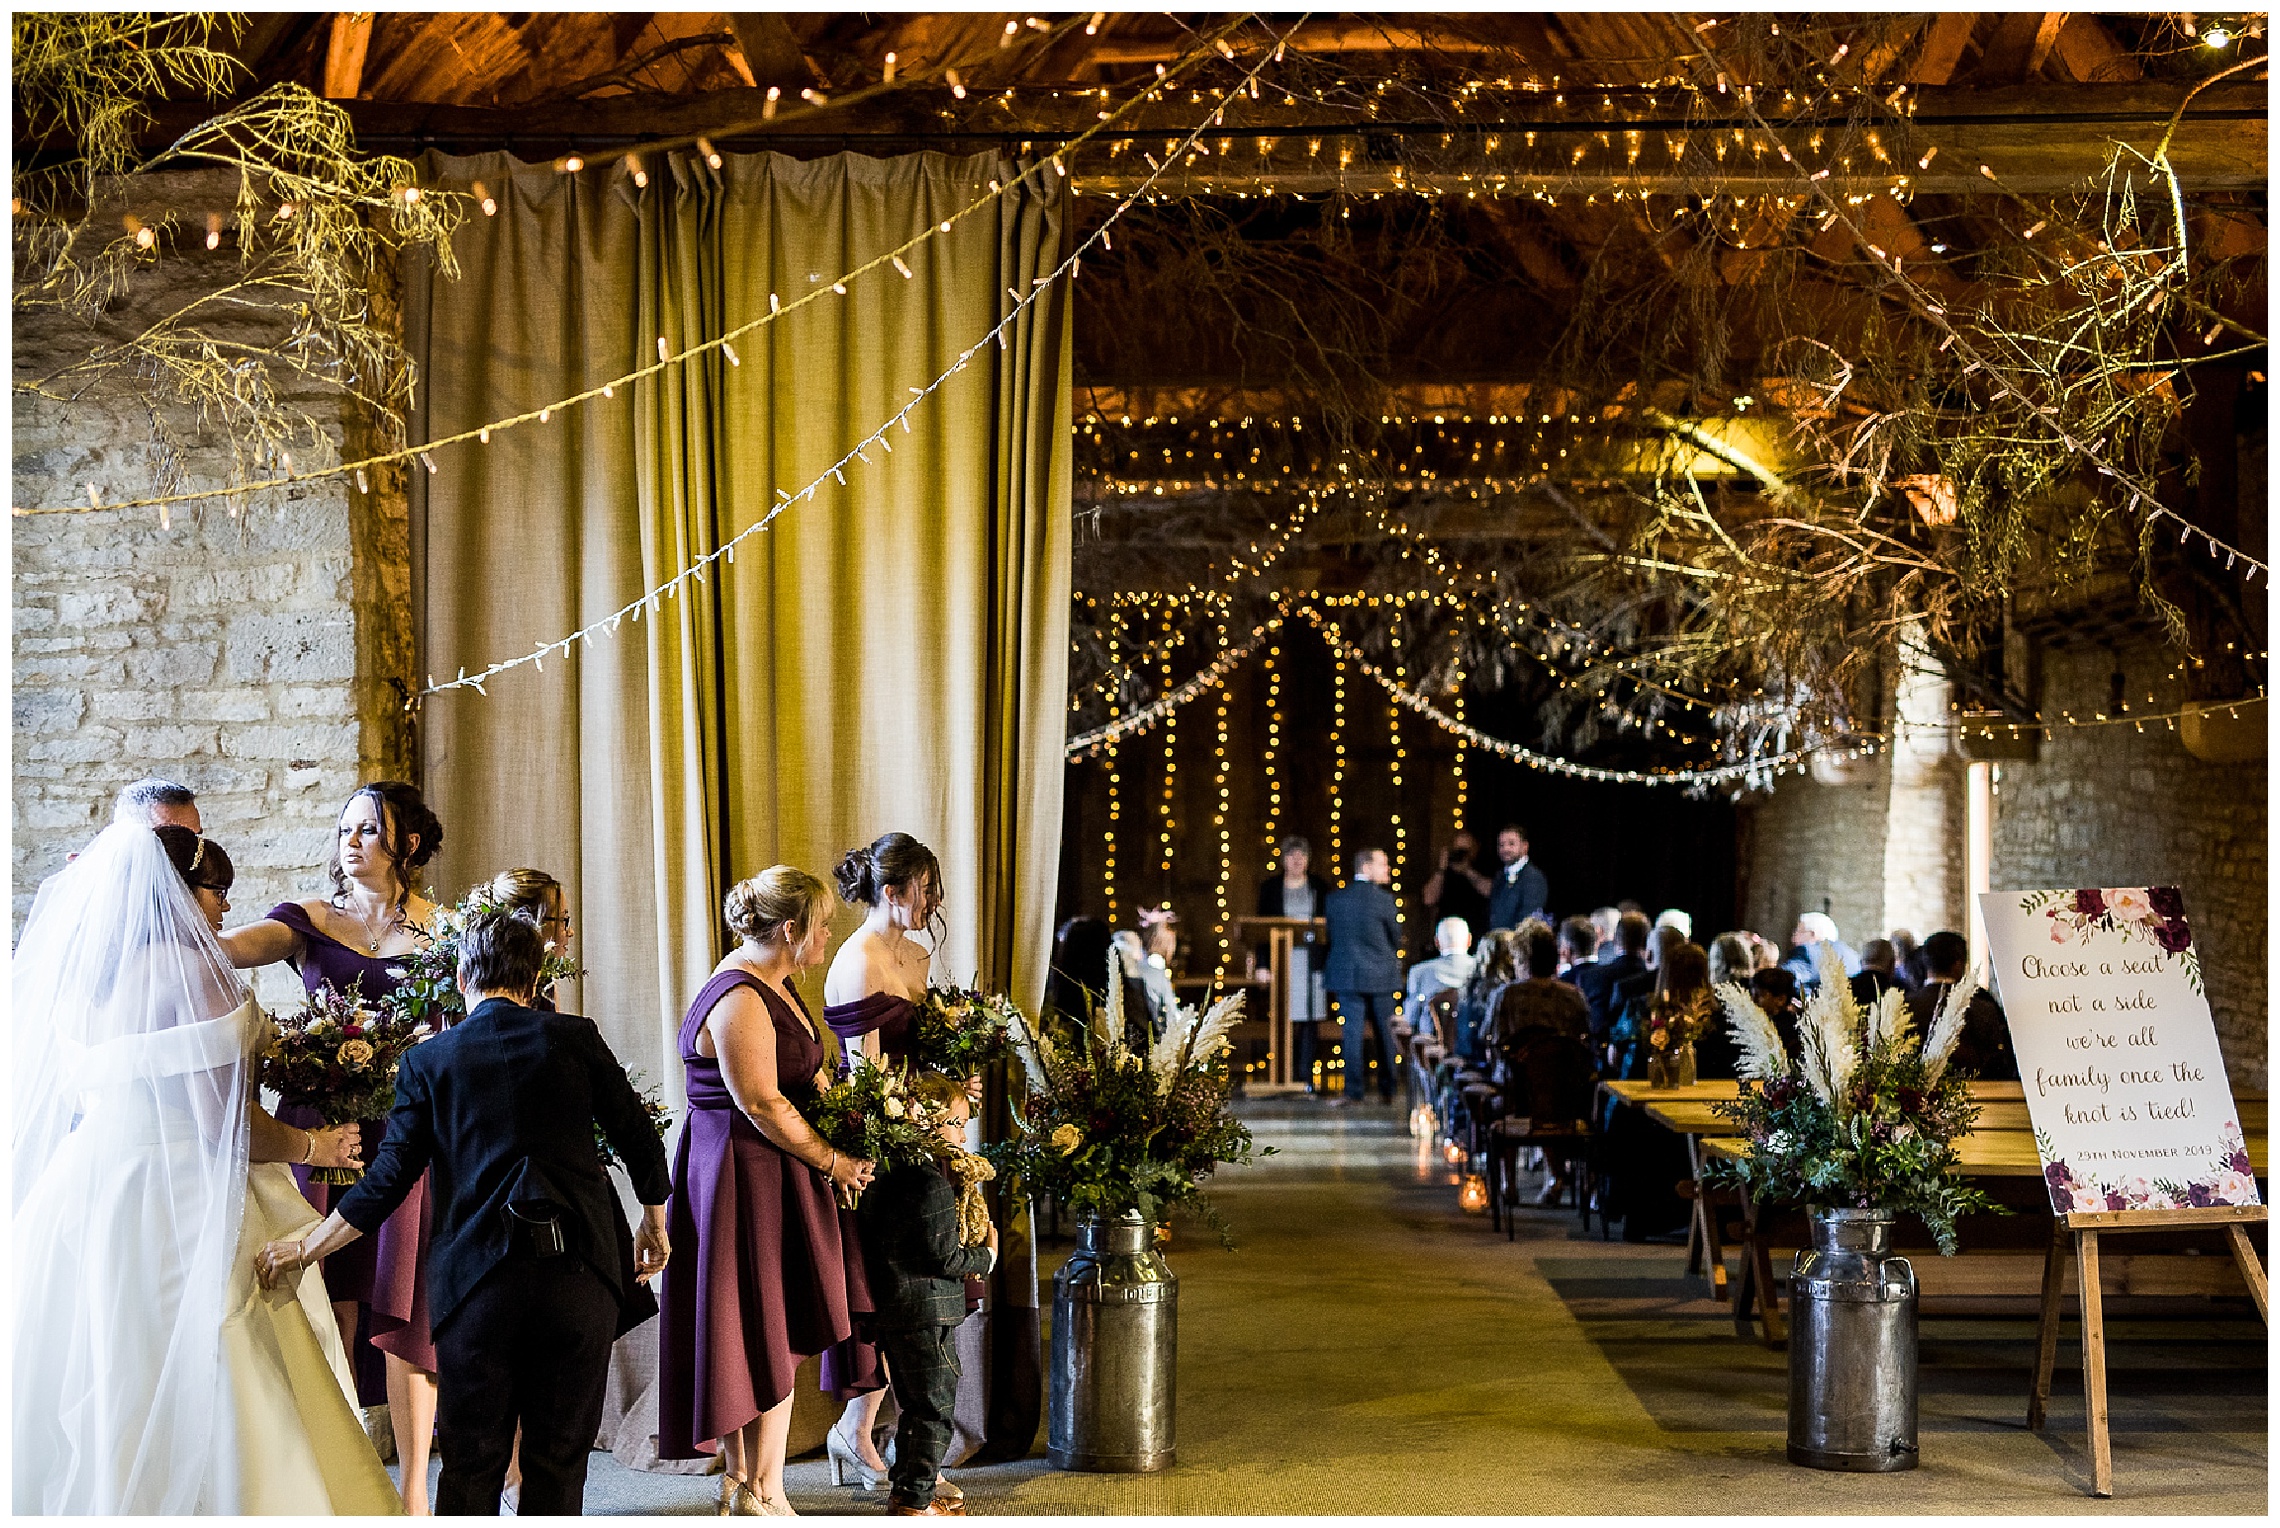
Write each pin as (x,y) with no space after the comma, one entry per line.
(344,54)
(1944,42)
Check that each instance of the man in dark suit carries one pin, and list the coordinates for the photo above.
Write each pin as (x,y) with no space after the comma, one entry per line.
(1364,972)
(918,1267)
(1520,891)
(530,1277)
(1599,979)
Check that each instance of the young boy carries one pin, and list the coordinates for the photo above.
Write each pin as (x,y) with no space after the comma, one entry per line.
(918,1268)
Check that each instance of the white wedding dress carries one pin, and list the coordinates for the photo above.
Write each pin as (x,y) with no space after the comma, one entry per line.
(152,1373)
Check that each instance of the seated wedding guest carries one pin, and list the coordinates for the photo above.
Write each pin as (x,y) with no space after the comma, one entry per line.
(1984,1049)
(1539,999)
(761,1281)
(1518,890)
(1080,967)
(1599,980)
(1767,952)
(1159,944)
(1909,965)
(528,1286)
(1498,963)
(1731,960)
(1774,989)
(1677,918)
(1578,947)
(1630,995)
(1603,921)
(1813,931)
(918,1270)
(1458,889)
(1644,1162)
(1877,959)
(1681,994)
(1447,971)
(1363,972)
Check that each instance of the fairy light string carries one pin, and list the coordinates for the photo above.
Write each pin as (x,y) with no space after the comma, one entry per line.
(892,259)
(726,551)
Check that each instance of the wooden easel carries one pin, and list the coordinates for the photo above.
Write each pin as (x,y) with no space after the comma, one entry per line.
(2085,1230)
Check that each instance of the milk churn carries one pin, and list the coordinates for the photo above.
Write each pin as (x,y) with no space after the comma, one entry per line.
(1852,1347)
(1115,1349)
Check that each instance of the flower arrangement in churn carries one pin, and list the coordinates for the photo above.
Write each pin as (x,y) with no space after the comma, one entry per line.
(1105,1128)
(1864,1117)
(962,1032)
(337,1054)
(429,990)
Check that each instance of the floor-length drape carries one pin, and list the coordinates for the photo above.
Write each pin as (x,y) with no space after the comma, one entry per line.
(890,654)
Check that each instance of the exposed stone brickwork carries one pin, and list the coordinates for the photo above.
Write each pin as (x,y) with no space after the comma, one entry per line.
(221,651)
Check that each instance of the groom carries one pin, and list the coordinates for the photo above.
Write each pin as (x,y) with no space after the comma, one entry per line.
(529,1277)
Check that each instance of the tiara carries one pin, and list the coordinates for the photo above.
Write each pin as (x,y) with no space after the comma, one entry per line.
(199,857)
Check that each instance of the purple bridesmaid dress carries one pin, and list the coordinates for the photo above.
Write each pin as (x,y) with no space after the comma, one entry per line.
(759,1278)
(386,1273)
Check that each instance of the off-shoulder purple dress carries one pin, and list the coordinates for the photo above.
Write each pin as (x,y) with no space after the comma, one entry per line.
(385,1273)
(759,1278)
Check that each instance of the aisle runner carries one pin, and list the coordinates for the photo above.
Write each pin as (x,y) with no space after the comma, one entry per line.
(2117,1049)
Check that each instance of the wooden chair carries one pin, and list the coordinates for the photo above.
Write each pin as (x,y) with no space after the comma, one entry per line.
(1550,1090)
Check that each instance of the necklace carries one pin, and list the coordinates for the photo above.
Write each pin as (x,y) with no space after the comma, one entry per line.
(372,940)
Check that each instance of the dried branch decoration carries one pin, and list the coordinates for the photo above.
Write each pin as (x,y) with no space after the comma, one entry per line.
(317,227)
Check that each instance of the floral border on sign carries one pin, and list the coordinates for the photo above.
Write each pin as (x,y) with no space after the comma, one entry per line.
(2228,1179)
(2155,914)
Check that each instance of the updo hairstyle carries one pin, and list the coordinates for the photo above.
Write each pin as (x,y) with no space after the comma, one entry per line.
(781,894)
(200,862)
(891,860)
(404,813)
(523,892)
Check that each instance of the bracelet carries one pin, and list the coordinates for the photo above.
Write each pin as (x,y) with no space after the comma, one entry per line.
(834,1162)
(308,1146)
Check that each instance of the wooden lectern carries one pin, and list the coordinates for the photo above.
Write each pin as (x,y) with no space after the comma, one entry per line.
(1281,935)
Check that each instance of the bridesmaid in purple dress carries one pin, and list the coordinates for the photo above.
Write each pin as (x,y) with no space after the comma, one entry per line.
(758,1278)
(871,997)
(362,932)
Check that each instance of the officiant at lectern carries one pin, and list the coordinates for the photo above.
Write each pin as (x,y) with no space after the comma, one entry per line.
(530,1277)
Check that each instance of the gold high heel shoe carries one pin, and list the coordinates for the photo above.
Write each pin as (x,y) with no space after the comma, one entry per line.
(746,1502)
(845,1461)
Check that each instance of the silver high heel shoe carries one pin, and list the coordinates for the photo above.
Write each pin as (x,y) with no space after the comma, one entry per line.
(846,1462)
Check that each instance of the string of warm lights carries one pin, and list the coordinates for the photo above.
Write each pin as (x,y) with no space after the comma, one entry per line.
(726,551)
(1273,834)
(1754,770)
(1337,760)
(1393,737)
(1171,765)
(724,343)
(1115,801)
(1086,744)
(1219,821)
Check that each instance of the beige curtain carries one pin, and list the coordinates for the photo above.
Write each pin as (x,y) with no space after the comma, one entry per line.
(888,655)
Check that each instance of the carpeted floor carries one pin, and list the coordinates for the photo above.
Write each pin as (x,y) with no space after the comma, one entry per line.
(1369,1350)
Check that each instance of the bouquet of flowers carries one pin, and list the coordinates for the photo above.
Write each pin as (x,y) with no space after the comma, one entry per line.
(429,992)
(652,1104)
(873,1113)
(337,1054)
(961,1031)
(1865,1116)
(1105,1128)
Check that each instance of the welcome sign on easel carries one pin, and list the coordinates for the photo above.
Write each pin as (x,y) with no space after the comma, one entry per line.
(2134,1120)
(2117,1049)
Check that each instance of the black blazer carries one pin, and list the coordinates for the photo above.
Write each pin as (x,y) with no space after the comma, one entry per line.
(1512,903)
(1597,981)
(503,1104)
(917,1265)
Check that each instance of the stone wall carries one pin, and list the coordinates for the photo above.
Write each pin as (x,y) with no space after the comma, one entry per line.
(220,651)
(2108,806)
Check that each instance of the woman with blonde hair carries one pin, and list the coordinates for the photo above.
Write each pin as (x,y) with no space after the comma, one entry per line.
(758,1279)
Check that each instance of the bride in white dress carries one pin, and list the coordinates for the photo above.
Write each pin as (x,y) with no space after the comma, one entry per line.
(151,1373)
